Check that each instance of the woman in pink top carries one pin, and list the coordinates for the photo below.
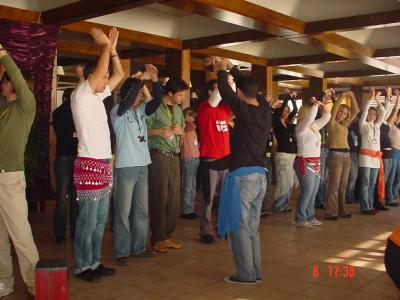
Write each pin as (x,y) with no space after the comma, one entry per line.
(189,163)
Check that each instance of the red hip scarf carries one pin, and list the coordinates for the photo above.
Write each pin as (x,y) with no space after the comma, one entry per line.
(381,177)
(314,163)
(93,178)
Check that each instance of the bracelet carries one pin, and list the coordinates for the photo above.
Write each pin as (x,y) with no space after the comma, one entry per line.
(113,55)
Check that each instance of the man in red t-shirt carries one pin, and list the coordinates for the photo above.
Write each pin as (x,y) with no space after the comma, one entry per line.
(213,120)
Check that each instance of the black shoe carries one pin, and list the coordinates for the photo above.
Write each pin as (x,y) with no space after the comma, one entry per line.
(189,216)
(320,206)
(333,218)
(207,239)
(104,271)
(88,275)
(233,279)
(394,204)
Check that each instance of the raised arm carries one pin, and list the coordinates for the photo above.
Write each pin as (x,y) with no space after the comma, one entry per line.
(227,94)
(335,108)
(395,110)
(25,98)
(118,72)
(153,105)
(381,111)
(367,105)
(354,110)
(102,65)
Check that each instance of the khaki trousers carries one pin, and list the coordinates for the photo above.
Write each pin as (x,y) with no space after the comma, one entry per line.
(339,170)
(14,224)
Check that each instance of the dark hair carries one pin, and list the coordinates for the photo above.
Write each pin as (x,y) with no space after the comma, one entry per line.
(248,85)
(67,94)
(89,69)
(137,68)
(209,87)
(175,85)
(188,111)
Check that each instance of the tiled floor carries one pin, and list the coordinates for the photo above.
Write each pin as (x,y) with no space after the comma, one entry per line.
(289,256)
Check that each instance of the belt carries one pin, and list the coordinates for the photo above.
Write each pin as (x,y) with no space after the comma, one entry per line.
(165,153)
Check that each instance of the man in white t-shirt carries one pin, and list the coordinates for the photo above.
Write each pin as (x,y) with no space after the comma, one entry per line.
(92,168)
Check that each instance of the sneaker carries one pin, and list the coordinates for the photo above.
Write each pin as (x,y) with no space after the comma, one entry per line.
(315,222)
(394,204)
(264,213)
(285,210)
(5,290)
(259,280)
(172,244)
(160,247)
(146,253)
(207,239)
(331,218)
(233,279)
(304,224)
(123,261)
(89,275)
(104,271)
(189,216)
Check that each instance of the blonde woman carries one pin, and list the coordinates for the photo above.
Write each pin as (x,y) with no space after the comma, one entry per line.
(307,163)
(339,156)
(370,160)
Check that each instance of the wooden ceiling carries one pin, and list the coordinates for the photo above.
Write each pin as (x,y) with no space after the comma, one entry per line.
(241,30)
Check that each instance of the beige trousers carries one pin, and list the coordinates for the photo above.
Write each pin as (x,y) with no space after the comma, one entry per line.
(14,224)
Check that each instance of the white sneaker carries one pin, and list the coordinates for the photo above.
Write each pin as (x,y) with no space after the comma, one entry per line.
(304,224)
(315,222)
(5,290)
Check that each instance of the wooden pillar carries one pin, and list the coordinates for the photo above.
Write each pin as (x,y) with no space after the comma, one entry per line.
(265,80)
(210,75)
(126,66)
(177,63)
(316,87)
(358,93)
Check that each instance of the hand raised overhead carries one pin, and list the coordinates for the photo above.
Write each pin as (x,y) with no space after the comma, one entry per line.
(99,36)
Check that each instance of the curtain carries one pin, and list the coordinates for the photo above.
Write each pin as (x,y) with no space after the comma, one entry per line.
(33,48)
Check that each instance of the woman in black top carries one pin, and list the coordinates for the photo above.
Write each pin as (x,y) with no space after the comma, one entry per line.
(284,132)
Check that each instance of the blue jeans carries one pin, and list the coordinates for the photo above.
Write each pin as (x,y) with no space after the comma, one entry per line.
(245,241)
(396,178)
(368,178)
(351,183)
(321,193)
(282,202)
(309,183)
(65,192)
(89,232)
(130,211)
(389,168)
(189,170)
(269,183)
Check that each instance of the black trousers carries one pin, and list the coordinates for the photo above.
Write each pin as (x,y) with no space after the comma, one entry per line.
(392,262)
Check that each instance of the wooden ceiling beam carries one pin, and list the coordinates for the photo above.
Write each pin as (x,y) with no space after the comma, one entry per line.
(228,38)
(294,84)
(233,55)
(367,21)
(346,81)
(395,80)
(356,73)
(126,34)
(138,52)
(88,9)
(243,13)
(160,61)
(18,14)
(307,59)
(300,71)
(64,47)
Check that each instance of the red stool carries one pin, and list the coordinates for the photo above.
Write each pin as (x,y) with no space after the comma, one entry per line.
(51,280)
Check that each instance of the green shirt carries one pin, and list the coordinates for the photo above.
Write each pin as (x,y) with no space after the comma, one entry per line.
(164,118)
(16,118)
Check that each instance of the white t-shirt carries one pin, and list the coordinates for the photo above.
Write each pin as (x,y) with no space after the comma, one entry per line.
(90,120)
(307,133)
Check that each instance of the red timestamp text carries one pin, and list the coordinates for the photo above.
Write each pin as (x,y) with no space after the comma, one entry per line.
(334,271)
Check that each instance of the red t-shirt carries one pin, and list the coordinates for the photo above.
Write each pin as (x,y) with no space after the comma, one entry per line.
(213,130)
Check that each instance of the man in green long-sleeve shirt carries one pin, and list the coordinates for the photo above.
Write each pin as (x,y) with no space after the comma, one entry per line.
(17,112)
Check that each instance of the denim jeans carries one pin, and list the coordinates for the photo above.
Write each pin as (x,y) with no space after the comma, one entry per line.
(89,232)
(309,183)
(269,183)
(389,168)
(130,211)
(282,202)
(245,241)
(368,177)
(396,178)
(351,183)
(321,193)
(189,170)
(65,194)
